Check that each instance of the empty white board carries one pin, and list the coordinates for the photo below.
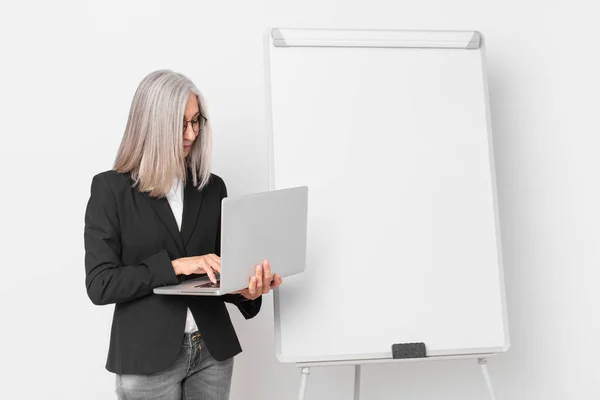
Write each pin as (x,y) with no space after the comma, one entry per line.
(390,130)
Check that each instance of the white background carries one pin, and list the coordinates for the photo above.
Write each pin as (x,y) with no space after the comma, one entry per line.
(68,71)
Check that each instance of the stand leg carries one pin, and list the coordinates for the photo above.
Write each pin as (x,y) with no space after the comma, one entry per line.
(483,363)
(305,373)
(357,382)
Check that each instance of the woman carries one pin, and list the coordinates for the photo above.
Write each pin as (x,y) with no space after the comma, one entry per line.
(154,220)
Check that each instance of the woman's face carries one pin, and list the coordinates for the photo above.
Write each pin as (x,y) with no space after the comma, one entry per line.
(191,123)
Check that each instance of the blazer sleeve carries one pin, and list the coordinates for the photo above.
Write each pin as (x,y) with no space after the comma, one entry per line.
(248,308)
(106,278)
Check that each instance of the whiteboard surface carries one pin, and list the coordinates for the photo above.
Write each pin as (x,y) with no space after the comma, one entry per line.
(403,242)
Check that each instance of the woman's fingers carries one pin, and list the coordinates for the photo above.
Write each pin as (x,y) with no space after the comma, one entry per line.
(215,258)
(211,275)
(252,286)
(214,264)
(266,267)
(259,278)
(276,281)
(206,267)
(262,281)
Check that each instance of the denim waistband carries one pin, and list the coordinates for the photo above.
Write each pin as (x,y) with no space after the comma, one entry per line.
(191,339)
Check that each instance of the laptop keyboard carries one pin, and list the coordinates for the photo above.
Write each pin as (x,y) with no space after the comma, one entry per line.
(209,284)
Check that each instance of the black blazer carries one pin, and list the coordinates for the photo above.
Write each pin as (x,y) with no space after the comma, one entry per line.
(130,239)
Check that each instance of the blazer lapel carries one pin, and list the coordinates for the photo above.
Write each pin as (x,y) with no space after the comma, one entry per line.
(192,201)
(163,209)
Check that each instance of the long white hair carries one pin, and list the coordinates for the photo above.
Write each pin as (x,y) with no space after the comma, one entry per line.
(152,145)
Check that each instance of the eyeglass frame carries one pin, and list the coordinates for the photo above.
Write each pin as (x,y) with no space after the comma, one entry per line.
(200,128)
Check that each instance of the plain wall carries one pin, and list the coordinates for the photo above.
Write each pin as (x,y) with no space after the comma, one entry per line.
(68,72)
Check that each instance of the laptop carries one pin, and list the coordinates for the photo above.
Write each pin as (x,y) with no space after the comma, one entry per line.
(269,225)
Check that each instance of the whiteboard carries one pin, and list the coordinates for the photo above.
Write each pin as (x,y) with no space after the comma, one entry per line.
(390,130)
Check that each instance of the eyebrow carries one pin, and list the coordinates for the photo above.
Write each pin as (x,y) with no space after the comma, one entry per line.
(194,116)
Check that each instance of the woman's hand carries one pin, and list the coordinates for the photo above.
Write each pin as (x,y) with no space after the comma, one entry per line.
(207,264)
(261,283)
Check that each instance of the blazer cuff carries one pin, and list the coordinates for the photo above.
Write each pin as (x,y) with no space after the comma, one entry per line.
(250,308)
(161,269)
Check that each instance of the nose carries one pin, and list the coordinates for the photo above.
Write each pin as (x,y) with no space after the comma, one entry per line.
(189,133)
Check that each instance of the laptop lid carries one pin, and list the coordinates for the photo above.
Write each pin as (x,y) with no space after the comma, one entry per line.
(269,225)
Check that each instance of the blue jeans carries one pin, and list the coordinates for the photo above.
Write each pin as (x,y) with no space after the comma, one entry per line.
(195,374)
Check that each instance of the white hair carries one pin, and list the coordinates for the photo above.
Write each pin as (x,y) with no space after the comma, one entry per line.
(152,145)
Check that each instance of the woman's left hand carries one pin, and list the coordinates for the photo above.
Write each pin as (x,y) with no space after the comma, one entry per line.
(261,283)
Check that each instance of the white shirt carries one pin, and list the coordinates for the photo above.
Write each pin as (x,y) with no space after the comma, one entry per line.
(175,198)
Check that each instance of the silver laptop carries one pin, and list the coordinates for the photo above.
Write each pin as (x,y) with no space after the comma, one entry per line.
(269,225)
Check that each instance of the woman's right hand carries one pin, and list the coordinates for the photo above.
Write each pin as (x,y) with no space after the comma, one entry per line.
(207,264)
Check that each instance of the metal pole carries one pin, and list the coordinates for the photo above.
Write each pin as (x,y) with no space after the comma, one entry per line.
(483,363)
(357,382)
(305,373)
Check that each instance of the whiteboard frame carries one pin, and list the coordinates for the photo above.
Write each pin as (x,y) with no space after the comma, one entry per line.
(392,360)
(284,37)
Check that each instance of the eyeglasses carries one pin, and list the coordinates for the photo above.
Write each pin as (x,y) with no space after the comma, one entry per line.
(198,123)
